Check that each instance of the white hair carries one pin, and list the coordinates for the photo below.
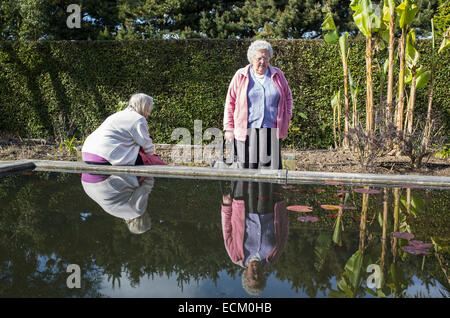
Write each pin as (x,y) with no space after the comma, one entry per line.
(253,290)
(141,103)
(139,225)
(257,46)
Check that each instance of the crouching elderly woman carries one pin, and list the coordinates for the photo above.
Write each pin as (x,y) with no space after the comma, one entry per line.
(123,138)
(258,109)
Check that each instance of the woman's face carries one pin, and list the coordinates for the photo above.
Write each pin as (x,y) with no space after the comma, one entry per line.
(260,61)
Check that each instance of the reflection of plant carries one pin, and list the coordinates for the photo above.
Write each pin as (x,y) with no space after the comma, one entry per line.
(350,283)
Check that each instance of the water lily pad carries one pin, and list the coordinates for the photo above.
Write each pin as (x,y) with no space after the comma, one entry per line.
(344,207)
(415,250)
(420,244)
(368,191)
(341,193)
(288,187)
(403,235)
(330,207)
(410,249)
(299,208)
(308,218)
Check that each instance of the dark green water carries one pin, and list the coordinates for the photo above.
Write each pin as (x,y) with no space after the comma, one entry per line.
(51,220)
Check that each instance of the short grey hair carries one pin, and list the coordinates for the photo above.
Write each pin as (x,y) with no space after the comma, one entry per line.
(257,46)
(141,103)
(139,225)
(253,290)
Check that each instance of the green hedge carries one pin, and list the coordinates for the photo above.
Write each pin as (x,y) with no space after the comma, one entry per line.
(61,88)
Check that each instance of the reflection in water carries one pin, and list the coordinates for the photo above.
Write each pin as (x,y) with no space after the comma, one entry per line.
(187,252)
(123,196)
(255,229)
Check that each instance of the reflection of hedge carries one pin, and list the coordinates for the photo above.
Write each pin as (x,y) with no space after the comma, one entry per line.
(46,85)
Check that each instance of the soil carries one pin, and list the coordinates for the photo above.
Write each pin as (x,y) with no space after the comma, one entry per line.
(305,160)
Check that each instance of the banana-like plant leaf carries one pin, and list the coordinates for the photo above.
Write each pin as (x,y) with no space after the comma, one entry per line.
(343,46)
(353,269)
(445,43)
(390,6)
(386,13)
(422,79)
(354,5)
(337,234)
(328,23)
(417,204)
(332,36)
(441,244)
(361,17)
(406,11)
(386,67)
(336,99)
(366,17)
(411,54)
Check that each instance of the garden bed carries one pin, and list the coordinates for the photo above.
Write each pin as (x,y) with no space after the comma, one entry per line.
(306,160)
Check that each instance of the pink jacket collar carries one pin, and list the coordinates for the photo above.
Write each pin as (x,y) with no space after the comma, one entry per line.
(244,71)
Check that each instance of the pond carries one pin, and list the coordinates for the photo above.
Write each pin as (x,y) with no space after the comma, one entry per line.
(81,235)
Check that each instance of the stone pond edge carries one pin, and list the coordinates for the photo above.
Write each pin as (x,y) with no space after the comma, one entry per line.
(279,176)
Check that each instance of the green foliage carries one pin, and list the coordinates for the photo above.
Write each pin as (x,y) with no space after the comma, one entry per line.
(442,17)
(47,85)
(444,153)
(69,145)
(406,12)
(178,19)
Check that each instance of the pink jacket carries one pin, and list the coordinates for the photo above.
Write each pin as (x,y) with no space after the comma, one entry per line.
(233,230)
(236,109)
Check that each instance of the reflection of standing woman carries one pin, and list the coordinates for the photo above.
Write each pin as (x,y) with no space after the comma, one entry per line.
(255,229)
(258,109)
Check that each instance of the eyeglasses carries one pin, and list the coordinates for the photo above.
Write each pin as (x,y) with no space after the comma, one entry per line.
(262,58)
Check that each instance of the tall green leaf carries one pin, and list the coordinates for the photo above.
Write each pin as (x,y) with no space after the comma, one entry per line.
(328,25)
(411,53)
(422,78)
(366,18)
(353,269)
(406,11)
(343,46)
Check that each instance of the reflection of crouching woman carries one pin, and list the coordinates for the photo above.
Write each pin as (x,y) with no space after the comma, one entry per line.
(120,137)
(125,197)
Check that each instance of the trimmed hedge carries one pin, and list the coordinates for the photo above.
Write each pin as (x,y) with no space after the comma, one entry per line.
(61,88)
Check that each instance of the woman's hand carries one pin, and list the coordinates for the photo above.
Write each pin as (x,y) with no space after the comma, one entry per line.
(227,200)
(150,150)
(229,135)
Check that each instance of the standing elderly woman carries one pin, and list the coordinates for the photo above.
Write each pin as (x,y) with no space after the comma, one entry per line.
(122,139)
(258,109)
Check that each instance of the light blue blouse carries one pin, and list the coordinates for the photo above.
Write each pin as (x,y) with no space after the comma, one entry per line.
(262,100)
(259,238)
